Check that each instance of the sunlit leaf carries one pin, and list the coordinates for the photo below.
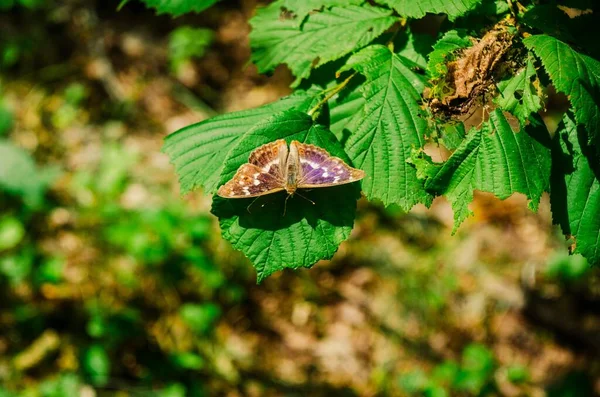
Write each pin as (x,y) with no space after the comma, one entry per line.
(577,75)
(518,94)
(276,39)
(198,151)
(418,9)
(492,159)
(392,124)
(278,233)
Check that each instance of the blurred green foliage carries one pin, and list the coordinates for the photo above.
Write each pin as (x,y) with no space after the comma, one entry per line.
(186,43)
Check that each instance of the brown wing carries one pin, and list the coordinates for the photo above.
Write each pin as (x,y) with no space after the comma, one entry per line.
(263,174)
(320,169)
(271,158)
(250,181)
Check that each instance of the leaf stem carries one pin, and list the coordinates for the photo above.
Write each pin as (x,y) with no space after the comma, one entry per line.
(333,92)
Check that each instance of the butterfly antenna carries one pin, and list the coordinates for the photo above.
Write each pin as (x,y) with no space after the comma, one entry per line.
(305,198)
(253,201)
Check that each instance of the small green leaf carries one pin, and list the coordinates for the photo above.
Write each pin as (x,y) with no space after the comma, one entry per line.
(493,159)
(275,40)
(442,50)
(96,364)
(178,7)
(452,135)
(199,151)
(575,193)
(518,94)
(306,232)
(574,74)
(418,9)
(392,123)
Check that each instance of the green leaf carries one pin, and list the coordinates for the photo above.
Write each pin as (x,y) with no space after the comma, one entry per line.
(414,47)
(301,9)
(574,74)
(199,151)
(418,9)
(442,50)
(275,40)
(452,135)
(493,159)
(186,42)
(392,124)
(345,111)
(178,7)
(306,232)
(519,95)
(575,194)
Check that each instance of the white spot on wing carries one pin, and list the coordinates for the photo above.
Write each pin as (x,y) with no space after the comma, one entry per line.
(256,174)
(242,183)
(325,174)
(337,178)
(256,182)
(311,163)
(267,166)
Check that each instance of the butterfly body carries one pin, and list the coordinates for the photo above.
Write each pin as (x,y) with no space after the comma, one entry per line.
(273,167)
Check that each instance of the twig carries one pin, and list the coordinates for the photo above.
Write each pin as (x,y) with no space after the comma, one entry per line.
(333,92)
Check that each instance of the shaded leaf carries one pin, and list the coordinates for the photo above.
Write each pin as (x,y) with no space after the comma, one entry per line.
(418,9)
(415,47)
(307,232)
(551,20)
(574,74)
(493,159)
(275,40)
(199,151)
(392,124)
(575,194)
(518,94)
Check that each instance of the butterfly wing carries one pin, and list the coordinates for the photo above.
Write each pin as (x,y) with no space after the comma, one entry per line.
(263,174)
(320,169)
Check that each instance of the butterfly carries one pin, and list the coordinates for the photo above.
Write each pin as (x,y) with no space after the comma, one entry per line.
(272,168)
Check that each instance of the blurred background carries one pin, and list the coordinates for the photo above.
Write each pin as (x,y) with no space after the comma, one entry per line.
(111,284)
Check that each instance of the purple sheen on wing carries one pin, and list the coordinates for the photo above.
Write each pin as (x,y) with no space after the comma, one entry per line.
(330,171)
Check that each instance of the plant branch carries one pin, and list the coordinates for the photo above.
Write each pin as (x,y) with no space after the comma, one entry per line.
(333,92)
